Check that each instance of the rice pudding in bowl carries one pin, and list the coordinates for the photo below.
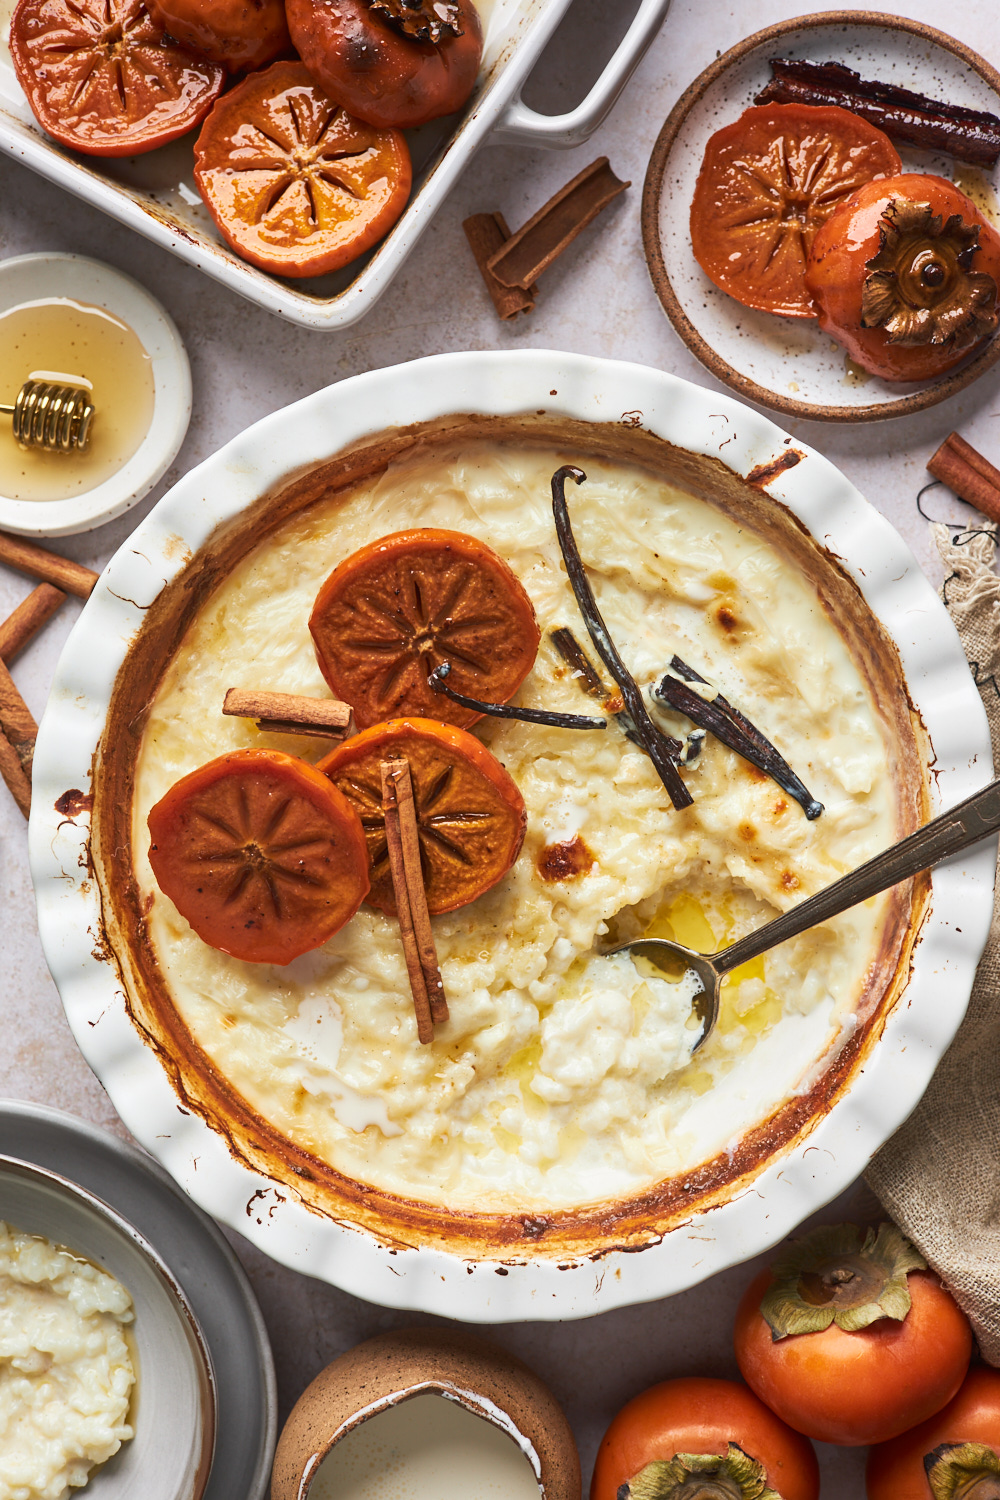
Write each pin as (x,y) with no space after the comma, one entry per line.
(560,1110)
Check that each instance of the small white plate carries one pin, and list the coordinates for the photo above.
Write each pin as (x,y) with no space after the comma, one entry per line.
(787,363)
(172,1411)
(28,278)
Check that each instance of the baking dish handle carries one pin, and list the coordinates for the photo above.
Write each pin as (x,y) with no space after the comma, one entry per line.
(521,124)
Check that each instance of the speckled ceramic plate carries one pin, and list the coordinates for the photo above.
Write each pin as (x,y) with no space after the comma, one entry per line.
(198,1146)
(787,363)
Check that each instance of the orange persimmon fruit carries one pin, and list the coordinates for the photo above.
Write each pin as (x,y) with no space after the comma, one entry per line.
(470,814)
(861,1385)
(295,184)
(767,183)
(239,34)
(897,1470)
(104,78)
(260,853)
(931,259)
(398,608)
(383,76)
(702,1416)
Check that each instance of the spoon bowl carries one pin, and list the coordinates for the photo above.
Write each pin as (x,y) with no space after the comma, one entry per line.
(972,820)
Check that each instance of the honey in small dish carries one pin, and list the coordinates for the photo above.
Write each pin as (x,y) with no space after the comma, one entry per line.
(82,345)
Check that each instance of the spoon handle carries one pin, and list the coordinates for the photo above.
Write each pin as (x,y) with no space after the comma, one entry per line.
(974,819)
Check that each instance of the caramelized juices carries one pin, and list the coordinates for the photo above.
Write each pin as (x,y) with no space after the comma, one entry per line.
(81,344)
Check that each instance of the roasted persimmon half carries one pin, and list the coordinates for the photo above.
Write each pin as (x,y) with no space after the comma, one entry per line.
(239,34)
(260,853)
(295,184)
(394,63)
(470,814)
(906,275)
(398,608)
(767,183)
(102,77)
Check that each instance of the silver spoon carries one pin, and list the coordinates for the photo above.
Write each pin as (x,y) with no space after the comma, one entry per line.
(974,819)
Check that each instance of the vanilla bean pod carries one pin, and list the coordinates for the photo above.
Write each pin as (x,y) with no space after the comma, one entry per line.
(573,655)
(437,684)
(652,741)
(718,715)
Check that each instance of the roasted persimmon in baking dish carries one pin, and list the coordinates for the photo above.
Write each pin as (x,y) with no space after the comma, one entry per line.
(295,184)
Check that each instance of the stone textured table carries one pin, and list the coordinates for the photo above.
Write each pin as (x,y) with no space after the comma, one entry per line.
(597,300)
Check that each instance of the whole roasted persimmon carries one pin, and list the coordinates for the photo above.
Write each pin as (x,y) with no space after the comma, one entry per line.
(102,77)
(724,1435)
(393,63)
(961,1444)
(261,854)
(849,1338)
(239,34)
(295,184)
(906,275)
(767,183)
(395,610)
(470,814)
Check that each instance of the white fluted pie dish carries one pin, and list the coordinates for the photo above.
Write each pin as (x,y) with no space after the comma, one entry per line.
(418,1250)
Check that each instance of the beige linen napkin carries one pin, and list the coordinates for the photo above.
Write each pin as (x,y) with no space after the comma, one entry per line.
(939,1176)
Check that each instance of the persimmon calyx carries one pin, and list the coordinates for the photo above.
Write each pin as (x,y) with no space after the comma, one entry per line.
(840,1274)
(420,20)
(701,1476)
(920,287)
(963,1471)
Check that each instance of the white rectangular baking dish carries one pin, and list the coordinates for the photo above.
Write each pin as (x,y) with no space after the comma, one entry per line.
(155,193)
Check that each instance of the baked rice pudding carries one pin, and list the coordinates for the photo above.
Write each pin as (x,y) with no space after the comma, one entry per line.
(560,1109)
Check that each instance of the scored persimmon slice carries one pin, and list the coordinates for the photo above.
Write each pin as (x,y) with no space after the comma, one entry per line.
(767,183)
(102,77)
(398,608)
(261,853)
(470,814)
(295,184)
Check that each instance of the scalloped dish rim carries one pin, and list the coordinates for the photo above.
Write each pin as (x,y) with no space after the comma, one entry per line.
(795,1181)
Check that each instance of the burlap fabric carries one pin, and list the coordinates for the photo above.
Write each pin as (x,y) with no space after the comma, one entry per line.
(939,1176)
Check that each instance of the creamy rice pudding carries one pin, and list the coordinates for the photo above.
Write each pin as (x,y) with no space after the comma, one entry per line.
(563,1079)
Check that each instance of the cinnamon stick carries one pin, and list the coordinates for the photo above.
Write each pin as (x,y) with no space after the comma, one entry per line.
(13,775)
(973,478)
(27,619)
(403,845)
(290,713)
(486,234)
(522,259)
(70,576)
(16,721)
(971,135)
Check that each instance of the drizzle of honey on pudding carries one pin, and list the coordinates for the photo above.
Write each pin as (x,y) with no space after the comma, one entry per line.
(57,335)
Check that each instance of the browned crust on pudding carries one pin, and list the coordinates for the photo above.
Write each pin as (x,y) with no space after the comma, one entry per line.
(593,1229)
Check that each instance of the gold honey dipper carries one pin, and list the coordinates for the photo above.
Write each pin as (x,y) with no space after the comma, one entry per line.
(51,414)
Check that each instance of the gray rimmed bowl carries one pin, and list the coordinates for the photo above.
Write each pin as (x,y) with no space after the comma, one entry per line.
(173,1401)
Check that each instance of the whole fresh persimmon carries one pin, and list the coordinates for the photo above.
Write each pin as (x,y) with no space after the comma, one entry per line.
(850,1338)
(961,1444)
(668,1437)
(392,63)
(239,34)
(906,275)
